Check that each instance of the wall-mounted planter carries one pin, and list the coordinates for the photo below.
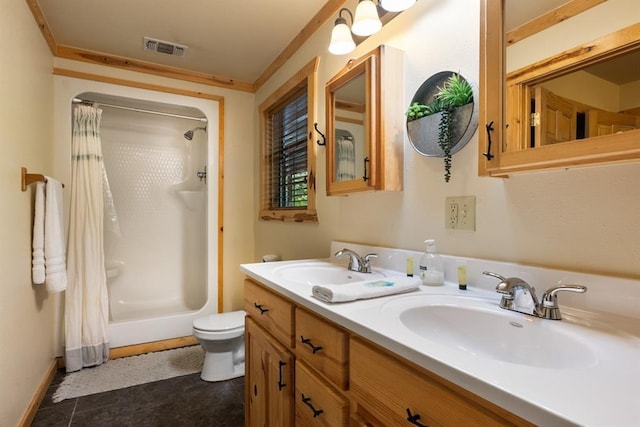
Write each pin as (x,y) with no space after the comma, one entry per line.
(423,132)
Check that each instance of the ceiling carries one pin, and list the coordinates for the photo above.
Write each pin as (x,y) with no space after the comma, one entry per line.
(232,39)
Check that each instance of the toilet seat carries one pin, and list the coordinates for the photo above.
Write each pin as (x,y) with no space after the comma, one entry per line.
(220,322)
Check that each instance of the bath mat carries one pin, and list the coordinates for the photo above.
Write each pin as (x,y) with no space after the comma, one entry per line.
(130,371)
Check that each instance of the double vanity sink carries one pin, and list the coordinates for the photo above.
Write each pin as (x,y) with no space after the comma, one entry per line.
(581,370)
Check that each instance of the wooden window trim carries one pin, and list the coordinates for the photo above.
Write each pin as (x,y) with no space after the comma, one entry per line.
(307,73)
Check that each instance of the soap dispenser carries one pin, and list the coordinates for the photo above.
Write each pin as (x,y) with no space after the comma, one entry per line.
(431,266)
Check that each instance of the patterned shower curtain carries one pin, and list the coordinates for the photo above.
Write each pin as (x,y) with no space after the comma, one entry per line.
(86,303)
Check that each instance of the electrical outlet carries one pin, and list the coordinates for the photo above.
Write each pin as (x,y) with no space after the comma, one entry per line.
(460,213)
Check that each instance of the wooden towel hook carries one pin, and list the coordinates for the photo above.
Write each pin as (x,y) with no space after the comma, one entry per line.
(30,178)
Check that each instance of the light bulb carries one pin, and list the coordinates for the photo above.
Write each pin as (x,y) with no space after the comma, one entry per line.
(366,21)
(341,40)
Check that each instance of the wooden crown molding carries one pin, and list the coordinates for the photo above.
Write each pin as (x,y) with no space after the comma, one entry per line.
(77,54)
(559,14)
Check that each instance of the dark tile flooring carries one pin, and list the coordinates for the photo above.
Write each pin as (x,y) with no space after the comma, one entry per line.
(179,401)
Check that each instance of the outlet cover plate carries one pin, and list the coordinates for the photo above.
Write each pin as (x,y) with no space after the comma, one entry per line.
(460,213)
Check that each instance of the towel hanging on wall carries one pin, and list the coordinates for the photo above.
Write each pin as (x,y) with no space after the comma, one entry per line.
(49,262)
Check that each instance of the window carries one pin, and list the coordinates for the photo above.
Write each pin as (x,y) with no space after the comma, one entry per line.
(288,150)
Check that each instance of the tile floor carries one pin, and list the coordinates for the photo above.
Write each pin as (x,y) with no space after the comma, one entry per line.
(180,401)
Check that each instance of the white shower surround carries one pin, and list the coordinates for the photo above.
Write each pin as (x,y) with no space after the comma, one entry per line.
(128,332)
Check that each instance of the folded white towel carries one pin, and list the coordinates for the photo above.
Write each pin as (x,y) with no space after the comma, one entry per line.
(365,289)
(54,244)
(37,261)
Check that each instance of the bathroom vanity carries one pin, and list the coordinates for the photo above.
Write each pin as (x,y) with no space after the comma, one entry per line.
(371,362)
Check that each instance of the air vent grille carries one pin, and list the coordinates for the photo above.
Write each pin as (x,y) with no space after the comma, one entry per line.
(167,48)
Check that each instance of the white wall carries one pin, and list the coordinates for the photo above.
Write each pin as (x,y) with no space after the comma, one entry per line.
(583,219)
(27,311)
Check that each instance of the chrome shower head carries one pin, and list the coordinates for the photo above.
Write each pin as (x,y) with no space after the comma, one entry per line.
(188,135)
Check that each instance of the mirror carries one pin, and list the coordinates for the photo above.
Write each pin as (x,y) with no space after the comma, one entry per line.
(350,121)
(551,105)
(558,84)
(350,128)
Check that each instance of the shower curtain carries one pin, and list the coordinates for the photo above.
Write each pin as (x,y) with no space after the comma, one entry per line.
(86,302)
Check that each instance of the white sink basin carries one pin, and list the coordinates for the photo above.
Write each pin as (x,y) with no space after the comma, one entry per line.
(482,329)
(322,273)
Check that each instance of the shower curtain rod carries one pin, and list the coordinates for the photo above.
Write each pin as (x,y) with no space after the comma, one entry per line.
(139,110)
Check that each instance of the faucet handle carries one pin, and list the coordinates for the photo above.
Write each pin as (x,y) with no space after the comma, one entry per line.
(496,275)
(366,262)
(550,299)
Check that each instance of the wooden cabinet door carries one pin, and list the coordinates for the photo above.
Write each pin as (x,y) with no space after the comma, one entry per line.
(269,386)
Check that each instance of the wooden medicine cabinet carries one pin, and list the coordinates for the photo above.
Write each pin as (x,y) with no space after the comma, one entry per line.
(365,124)
(556,92)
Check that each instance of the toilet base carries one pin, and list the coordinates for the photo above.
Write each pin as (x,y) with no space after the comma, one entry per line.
(225,365)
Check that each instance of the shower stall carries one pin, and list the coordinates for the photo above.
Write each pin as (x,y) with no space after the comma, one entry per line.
(160,257)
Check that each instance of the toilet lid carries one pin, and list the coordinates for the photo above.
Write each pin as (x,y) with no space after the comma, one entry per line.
(220,321)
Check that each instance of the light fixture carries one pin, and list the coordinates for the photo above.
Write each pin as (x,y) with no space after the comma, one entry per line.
(396,5)
(366,21)
(341,40)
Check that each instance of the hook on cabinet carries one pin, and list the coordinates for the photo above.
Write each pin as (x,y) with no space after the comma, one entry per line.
(324,140)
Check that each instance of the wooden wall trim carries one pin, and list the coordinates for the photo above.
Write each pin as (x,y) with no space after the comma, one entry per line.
(134,350)
(133,83)
(36,11)
(220,207)
(559,14)
(38,397)
(82,55)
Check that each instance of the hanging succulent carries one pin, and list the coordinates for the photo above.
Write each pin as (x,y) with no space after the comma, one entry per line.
(455,92)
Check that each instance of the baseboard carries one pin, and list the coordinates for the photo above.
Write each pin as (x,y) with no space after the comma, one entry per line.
(30,413)
(134,350)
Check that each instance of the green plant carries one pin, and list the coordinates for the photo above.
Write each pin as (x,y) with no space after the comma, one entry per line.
(455,92)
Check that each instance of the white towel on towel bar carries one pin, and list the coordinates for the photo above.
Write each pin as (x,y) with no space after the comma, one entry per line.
(54,244)
(49,265)
(366,289)
(37,261)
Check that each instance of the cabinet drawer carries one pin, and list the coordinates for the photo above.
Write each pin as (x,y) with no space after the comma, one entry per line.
(323,346)
(317,402)
(270,311)
(394,392)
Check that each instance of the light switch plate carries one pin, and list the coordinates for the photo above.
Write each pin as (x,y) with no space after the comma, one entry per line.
(460,213)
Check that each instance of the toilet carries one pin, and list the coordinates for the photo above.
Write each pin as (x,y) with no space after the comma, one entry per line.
(222,338)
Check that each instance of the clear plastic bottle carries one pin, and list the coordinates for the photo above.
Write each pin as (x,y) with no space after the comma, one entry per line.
(431,266)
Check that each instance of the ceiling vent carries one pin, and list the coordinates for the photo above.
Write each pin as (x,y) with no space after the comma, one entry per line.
(167,48)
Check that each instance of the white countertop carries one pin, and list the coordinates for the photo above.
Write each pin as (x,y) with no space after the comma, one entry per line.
(603,393)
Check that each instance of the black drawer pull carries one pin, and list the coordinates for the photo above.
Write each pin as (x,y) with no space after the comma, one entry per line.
(307,341)
(259,307)
(306,401)
(281,365)
(413,419)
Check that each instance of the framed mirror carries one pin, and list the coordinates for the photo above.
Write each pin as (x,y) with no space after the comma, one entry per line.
(558,86)
(351,120)
(365,124)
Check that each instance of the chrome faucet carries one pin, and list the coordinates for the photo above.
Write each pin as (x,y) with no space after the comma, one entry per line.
(518,295)
(356,262)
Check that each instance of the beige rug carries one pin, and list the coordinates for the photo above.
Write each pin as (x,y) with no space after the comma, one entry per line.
(130,371)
